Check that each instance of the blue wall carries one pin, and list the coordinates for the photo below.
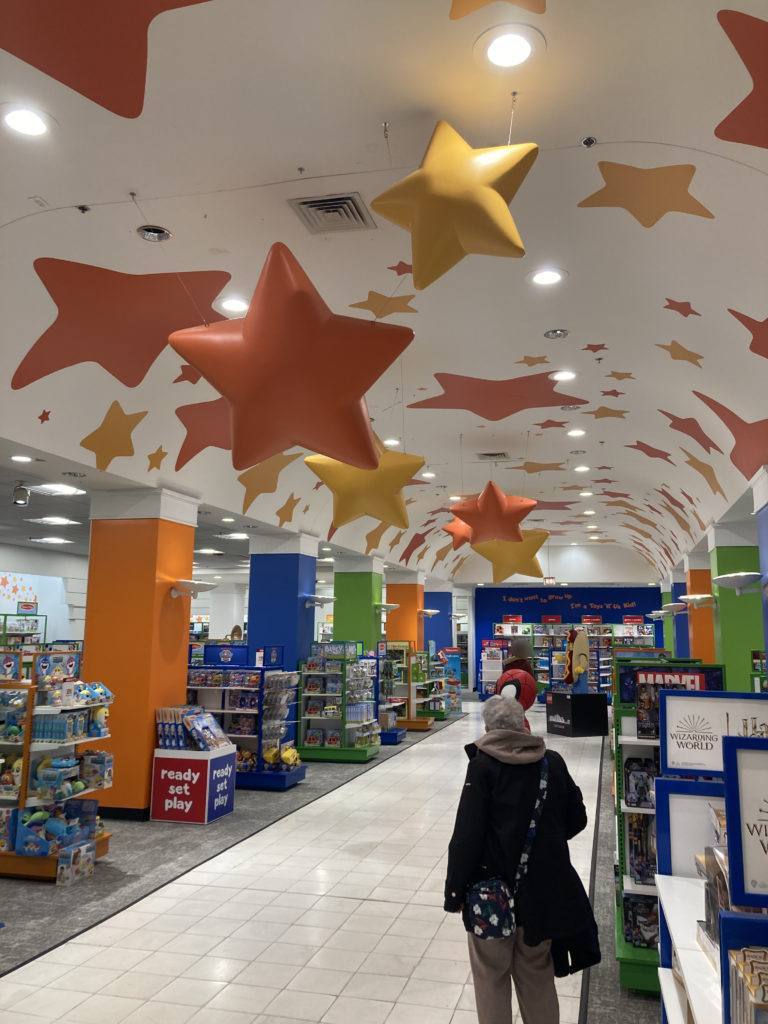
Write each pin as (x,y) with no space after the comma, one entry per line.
(762,540)
(493,603)
(438,627)
(680,625)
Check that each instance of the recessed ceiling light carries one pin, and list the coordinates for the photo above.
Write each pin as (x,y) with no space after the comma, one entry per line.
(588,512)
(208,551)
(326,549)
(234,305)
(455,497)
(574,544)
(509,50)
(55,521)
(481,584)
(428,475)
(653,584)
(594,538)
(576,432)
(235,536)
(556,333)
(50,540)
(591,527)
(217,577)
(25,121)
(563,375)
(227,519)
(507,45)
(328,559)
(581,469)
(563,584)
(547,275)
(321,581)
(585,494)
(57,489)
(391,442)
(21,458)
(153,233)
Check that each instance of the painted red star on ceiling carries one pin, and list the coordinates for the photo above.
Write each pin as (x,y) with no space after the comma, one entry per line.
(207,425)
(497,399)
(650,451)
(750,450)
(691,428)
(759,331)
(683,308)
(747,123)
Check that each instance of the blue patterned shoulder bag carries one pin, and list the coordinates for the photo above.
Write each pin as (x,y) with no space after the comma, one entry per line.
(489,906)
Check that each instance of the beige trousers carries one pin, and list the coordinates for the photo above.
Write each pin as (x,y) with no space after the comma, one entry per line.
(496,963)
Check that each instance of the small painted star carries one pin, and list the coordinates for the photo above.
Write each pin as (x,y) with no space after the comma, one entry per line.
(401,268)
(532,360)
(384,305)
(683,308)
(156,458)
(680,352)
(45,415)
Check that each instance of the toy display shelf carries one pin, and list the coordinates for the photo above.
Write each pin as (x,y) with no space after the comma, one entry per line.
(418,697)
(638,967)
(21,629)
(42,869)
(393,695)
(431,699)
(347,680)
(681,904)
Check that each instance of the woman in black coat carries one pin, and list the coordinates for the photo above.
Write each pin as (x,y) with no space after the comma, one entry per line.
(556,931)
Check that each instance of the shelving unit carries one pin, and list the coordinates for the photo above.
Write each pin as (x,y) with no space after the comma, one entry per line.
(420,717)
(434,689)
(22,629)
(337,710)
(462,642)
(393,691)
(757,673)
(681,902)
(491,659)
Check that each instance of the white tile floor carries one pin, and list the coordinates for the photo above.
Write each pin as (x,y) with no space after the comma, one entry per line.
(333,915)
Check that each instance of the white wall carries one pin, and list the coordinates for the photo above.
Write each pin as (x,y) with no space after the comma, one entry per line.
(58,580)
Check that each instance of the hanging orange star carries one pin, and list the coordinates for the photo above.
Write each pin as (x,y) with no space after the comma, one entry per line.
(459,531)
(263,478)
(156,458)
(532,360)
(647,193)
(494,515)
(461,8)
(285,512)
(457,203)
(680,352)
(384,305)
(279,369)
(113,437)
(604,413)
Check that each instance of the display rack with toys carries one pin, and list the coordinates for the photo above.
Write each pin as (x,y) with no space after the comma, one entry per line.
(38,815)
(420,693)
(434,690)
(337,707)
(257,711)
(393,690)
(16,630)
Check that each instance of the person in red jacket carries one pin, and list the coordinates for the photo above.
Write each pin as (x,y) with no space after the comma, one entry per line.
(518,672)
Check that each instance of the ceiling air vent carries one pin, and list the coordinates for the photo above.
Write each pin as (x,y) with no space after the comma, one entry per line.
(322,214)
(492,456)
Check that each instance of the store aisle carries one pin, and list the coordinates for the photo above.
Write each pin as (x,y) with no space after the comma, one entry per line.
(333,914)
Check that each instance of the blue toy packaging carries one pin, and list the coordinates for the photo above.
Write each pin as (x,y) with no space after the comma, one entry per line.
(75,863)
(8,818)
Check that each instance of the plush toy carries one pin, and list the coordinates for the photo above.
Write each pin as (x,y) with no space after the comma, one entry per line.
(290,757)
(98,726)
(577,661)
(271,755)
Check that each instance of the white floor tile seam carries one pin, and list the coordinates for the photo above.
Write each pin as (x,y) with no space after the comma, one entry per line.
(322,928)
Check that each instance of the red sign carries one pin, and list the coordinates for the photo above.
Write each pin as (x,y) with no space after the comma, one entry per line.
(632,620)
(592,619)
(450,650)
(512,618)
(551,620)
(679,680)
(179,788)
(492,643)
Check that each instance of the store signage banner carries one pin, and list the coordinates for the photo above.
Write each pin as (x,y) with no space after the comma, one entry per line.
(26,607)
(746,810)
(632,620)
(512,618)
(693,724)
(551,620)
(595,620)
(192,786)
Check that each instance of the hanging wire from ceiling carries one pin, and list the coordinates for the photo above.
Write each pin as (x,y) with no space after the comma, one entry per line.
(511,117)
(385,129)
(461,464)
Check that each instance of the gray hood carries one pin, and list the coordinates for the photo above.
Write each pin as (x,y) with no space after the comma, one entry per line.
(511,746)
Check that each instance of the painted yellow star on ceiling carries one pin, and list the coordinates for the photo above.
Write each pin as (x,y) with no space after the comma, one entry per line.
(509,557)
(262,478)
(156,458)
(539,467)
(374,538)
(384,305)
(460,8)
(396,540)
(647,192)
(285,512)
(457,203)
(680,352)
(604,413)
(113,437)
(705,470)
(368,492)
(532,360)
(620,375)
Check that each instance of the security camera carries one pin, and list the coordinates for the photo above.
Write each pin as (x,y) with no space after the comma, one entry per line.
(589,141)
(20,495)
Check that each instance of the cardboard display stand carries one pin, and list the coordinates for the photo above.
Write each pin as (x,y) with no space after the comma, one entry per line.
(197,786)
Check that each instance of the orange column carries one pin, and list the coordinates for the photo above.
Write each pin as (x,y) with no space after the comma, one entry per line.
(136,637)
(701,622)
(405,622)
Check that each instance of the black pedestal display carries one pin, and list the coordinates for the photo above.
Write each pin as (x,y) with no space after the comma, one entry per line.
(577,714)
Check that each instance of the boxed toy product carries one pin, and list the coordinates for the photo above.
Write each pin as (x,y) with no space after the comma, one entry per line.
(333,738)
(639,776)
(641,921)
(7,829)
(75,863)
(204,731)
(641,847)
(314,738)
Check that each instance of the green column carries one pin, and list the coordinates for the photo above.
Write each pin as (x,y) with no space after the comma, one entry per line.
(668,623)
(738,620)
(355,613)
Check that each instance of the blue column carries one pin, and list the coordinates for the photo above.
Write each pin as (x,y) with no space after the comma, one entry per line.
(682,643)
(762,543)
(438,627)
(279,582)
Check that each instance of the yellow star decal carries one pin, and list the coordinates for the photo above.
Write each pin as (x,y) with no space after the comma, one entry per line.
(458,565)
(647,192)
(113,437)
(374,538)
(636,529)
(368,492)
(396,540)
(539,467)
(620,375)
(457,203)
(604,413)
(156,458)
(421,554)
(384,305)
(532,360)
(285,513)
(706,471)
(262,478)
(441,553)
(678,351)
(509,557)
(460,8)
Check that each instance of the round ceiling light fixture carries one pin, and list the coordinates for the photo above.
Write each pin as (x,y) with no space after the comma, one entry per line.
(561,375)
(153,233)
(576,432)
(391,442)
(547,275)
(581,469)
(556,334)
(585,494)
(508,46)
(428,475)
(233,304)
(21,458)
(24,120)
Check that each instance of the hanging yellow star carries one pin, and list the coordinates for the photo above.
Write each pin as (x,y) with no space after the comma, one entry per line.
(680,352)
(604,413)
(532,360)
(539,467)
(156,458)
(285,513)
(262,478)
(457,203)
(509,557)
(460,8)
(368,492)
(374,538)
(384,305)
(647,192)
(113,437)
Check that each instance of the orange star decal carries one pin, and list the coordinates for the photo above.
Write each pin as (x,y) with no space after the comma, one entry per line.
(705,470)
(263,478)
(747,123)
(620,375)
(497,399)
(113,437)
(604,413)
(532,360)
(680,352)
(384,305)
(401,268)
(683,308)
(648,193)
(759,331)
(156,458)
(539,467)
(461,8)
(285,512)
